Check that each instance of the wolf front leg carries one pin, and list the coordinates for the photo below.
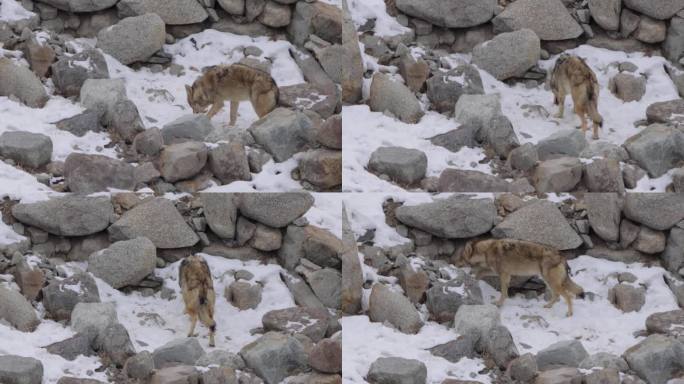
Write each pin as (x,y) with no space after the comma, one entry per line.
(505,280)
(215,108)
(233,112)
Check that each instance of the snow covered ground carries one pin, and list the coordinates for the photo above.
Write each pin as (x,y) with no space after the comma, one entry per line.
(364,131)
(152,321)
(533,327)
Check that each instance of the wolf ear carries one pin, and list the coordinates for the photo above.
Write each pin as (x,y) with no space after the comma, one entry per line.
(188,89)
(467,251)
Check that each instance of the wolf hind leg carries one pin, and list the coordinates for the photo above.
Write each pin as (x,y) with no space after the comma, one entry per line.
(234,104)
(206,319)
(263,102)
(505,280)
(560,99)
(193,323)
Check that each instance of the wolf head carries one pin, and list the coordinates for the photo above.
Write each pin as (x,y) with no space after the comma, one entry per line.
(198,99)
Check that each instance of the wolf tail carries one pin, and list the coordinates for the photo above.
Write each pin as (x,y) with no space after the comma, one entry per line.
(592,99)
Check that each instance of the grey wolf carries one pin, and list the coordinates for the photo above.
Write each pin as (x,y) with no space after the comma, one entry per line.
(572,75)
(234,83)
(509,257)
(197,287)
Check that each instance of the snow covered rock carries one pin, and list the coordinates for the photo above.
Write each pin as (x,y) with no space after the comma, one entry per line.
(17,311)
(159,221)
(175,374)
(133,38)
(395,98)
(626,297)
(61,296)
(78,125)
(275,209)
(445,88)
(657,149)
(565,142)
(665,111)
(606,13)
(173,12)
(658,9)
(311,322)
(283,133)
(604,149)
(68,215)
(405,166)
(322,168)
(559,375)
(456,216)
(31,150)
(244,295)
(604,211)
(569,353)
(549,19)
(275,356)
(654,210)
(182,161)
(220,210)
(444,298)
(656,358)
(508,54)
(85,174)
(557,175)
(604,360)
(20,370)
(221,358)
(670,323)
(539,222)
(463,180)
(18,81)
(627,87)
(124,262)
(70,72)
(308,96)
(186,350)
(228,162)
(604,175)
(395,308)
(188,127)
(397,370)
(476,319)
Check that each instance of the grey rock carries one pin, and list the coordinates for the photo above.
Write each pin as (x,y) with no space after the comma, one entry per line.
(125,262)
(604,175)
(656,358)
(603,376)
(673,46)
(174,12)
(500,136)
(179,374)
(455,350)
(187,127)
(524,157)
(80,5)
(83,247)
(20,370)
(604,360)
(71,348)
(523,368)
(477,110)
(665,111)
(565,142)
(19,81)
(445,88)
(322,168)
(403,165)
(103,95)
(182,161)
(140,366)
(244,295)
(17,311)
(454,140)
(450,14)
(133,38)
(649,241)
(397,370)
(627,298)
(326,285)
(395,308)
(549,19)
(330,132)
(678,180)
(266,238)
(61,296)
(627,87)
(184,351)
(444,298)
(67,216)
(302,293)
(283,133)
(673,256)
(149,142)
(604,149)
(508,54)
(275,356)
(459,180)
(670,323)
(557,175)
(85,174)
(275,209)
(564,375)
(97,316)
(234,7)
(228,162)
(659,9)
(311,322)
(394,97)
(569,353)
(476,319)
(221,358)
(220,210)
(498,343)
(70,72)
(81,123)
(539,222)
(606,13)
(31,150)
(604,211)
(115,344)
(654,210)
(276,15)
(650,30)
(452,217)
(322,19)
(159,221)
